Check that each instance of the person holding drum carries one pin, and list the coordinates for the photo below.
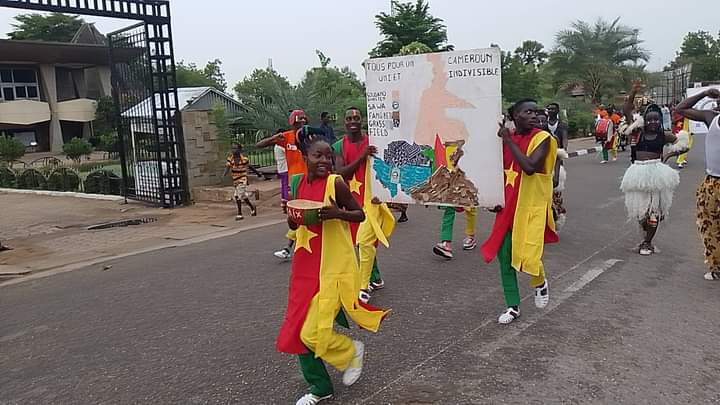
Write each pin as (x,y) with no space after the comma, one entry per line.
(325,277)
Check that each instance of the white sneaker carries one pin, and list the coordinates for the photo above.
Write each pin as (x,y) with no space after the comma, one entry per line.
(283,254)
(354,370)
(311,399)
(509,315)
(469,243)
(603,161)
(542,295)
(712,275)
(443,249)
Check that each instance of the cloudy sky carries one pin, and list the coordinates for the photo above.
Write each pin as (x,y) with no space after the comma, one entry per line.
(244,34)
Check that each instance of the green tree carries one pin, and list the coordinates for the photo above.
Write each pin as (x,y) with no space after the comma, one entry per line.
(532,53)
(521,71)
(11,149)
(415,48)
(52,27)
(190,75)
(267,97)
(701,50)
(595,55)
(518,79)
(76,149)
(330,89)
(408,23)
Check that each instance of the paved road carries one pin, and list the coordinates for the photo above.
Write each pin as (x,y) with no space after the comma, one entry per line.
(197,324)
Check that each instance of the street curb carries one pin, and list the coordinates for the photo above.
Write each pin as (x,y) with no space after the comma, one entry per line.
(583,152)
(191,241)
(12,271)
(103,197)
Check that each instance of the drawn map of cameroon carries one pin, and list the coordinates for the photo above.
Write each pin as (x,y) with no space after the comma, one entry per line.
(433,118)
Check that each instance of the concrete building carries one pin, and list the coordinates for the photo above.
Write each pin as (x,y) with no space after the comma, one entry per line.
(49,90)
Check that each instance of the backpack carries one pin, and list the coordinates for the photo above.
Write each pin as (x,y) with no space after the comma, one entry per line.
(601,129)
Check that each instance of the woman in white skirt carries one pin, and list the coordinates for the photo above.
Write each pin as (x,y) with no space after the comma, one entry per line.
(649,184)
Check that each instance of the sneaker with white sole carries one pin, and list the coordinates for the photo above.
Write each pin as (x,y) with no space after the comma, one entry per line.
(311,399)
(376,285)
(646,249)
(444,250)
(364,296)
(509,315)
(283,254)
(542,295)
(469,243)
(712,275)
(354,370)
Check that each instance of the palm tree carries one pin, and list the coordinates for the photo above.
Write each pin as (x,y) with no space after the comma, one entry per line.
(408,23)
(597,56)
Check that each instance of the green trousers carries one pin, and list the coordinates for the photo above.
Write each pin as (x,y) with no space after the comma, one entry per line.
(375,275)
(448,222)
(316,375)
(508,275)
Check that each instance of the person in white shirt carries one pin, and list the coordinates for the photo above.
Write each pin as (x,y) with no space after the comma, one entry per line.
(282,171)
(708,195)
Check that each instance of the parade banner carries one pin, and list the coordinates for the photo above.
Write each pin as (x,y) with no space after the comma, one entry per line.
(706,103)
(434,119)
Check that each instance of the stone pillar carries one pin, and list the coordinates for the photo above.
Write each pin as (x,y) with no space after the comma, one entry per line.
(202,149)
(49,83)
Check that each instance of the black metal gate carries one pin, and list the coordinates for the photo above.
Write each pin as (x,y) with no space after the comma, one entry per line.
(143,75)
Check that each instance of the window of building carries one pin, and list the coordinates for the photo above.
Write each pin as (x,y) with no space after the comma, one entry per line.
(8,93)
(18,83)
(24,76)
(6,76)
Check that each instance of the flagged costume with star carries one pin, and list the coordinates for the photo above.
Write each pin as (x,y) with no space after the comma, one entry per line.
(379,221)
(528,207)
(324,271)
(378,217)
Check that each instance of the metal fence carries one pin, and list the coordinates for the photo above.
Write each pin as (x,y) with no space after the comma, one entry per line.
(671,86)
(151,148)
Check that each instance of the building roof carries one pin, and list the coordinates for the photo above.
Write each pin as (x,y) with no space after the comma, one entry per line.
(88,34)
(61,53)
(187,96)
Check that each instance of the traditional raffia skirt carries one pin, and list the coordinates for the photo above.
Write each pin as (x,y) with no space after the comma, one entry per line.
(649,186)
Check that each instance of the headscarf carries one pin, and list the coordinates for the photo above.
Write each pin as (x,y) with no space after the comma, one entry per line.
(294,116)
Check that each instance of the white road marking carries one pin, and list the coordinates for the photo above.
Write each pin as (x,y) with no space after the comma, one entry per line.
(591,275)
(519,325)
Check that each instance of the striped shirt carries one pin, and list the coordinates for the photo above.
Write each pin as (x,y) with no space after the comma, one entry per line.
(238,168)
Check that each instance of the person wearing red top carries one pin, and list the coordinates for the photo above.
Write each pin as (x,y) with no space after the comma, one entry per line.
(289,140)
(353,153)
(525,223)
